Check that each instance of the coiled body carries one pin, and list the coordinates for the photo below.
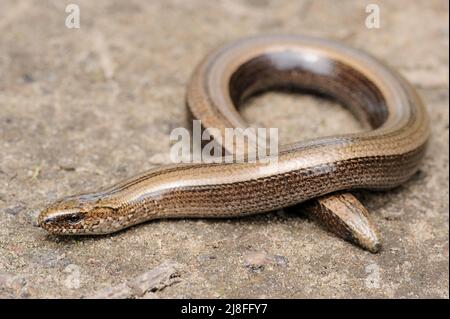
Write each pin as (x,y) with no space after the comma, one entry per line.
(383,156)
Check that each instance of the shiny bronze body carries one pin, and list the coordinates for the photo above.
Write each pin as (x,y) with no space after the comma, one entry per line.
(383,156)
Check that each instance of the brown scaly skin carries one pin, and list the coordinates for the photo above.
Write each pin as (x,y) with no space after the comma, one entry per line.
(344,215)
(382,157)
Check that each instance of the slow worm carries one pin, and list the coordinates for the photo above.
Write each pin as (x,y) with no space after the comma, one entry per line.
(383,156)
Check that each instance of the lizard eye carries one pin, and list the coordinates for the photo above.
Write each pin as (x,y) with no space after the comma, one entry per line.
(74,219)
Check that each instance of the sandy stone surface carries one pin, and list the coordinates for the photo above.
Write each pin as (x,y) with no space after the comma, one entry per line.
(83,108)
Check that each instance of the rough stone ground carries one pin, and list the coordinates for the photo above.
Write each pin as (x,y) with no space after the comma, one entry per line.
(82,108)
